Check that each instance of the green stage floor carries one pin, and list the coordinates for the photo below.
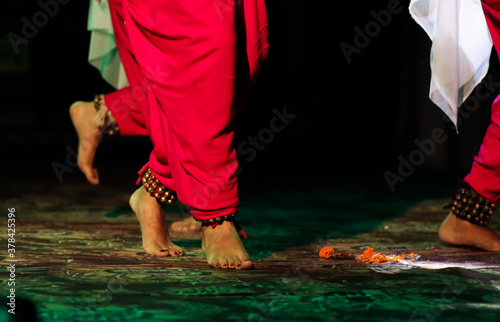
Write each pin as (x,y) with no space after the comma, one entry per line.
(79,258)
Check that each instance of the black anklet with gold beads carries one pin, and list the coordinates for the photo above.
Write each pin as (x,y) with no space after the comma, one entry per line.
(156,189)
(219,220)
(471,206)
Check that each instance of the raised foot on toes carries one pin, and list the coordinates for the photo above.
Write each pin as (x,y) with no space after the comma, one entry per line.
(155,237)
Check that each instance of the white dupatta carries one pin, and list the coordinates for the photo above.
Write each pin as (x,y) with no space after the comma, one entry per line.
(103,53)
(461,47)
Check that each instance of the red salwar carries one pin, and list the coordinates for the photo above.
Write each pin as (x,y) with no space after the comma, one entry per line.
(180,58)
(484,176)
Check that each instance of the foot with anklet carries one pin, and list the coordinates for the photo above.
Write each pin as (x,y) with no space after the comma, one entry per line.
(456,231)
(156,240)
(223,247)
(82,115)
(466,224)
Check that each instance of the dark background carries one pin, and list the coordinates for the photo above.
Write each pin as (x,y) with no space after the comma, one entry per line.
(353,119)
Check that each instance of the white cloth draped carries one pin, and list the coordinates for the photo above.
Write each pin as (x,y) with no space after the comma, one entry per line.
(103,53)
(461,47)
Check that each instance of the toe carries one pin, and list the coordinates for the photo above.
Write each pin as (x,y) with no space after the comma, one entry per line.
(247,264)
(216,263)
(157,251)
(231,262)
(161,253)
(194,228)
(237,263)
(90,173)
(93,177)
(176,251)
(223,260)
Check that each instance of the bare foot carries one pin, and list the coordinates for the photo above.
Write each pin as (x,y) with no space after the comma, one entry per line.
(455,231)
(82,115)
(155,237)
(186,224)
(223,247)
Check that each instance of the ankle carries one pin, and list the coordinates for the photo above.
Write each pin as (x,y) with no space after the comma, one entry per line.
(104,119)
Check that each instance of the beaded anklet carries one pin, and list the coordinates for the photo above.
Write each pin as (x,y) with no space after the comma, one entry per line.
(156,188)
(219,220)
(471,206)
(104,119)
(163,195)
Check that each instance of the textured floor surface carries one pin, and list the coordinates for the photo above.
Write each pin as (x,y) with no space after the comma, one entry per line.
(79,259)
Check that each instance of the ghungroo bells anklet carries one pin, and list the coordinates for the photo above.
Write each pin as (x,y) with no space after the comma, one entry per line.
(156,188)
(104,119)
(219,220)
(471,206)
(215,221)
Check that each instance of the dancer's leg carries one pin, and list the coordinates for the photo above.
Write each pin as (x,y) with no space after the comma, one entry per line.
(484,178)
(82,115)
(252,48)
(193,46)
(127,105)
(155,237)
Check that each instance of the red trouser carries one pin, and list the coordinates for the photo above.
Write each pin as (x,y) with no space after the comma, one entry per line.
(128,105)
(485,173)
(180,59)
